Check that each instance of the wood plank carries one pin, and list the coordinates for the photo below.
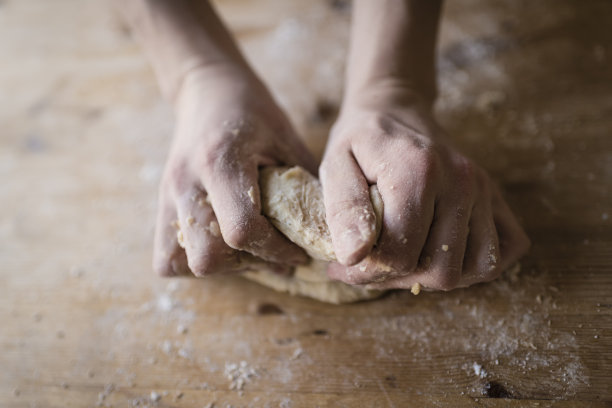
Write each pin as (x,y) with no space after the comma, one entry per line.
(84,135)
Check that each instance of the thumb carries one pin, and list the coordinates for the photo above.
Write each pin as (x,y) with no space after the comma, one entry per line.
(349,212)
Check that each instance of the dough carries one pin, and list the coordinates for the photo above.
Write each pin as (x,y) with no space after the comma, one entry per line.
(293,201)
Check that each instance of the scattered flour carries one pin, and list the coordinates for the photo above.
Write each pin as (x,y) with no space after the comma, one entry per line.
(478,370)
(239,374)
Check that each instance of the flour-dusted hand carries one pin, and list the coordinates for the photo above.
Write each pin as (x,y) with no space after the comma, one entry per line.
(227,126)
(445,223)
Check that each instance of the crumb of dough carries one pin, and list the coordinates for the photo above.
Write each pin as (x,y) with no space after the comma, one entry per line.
(190,220)
(445,248)
(213,228)
(180,238)
(415,289)
(251,194)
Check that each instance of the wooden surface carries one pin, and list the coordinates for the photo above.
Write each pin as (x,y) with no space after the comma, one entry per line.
(526,89)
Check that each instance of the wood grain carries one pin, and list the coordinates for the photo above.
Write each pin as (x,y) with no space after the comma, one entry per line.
(525,89)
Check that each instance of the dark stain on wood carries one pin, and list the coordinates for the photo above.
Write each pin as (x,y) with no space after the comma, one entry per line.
(269,309)
(391,381)
(493,389)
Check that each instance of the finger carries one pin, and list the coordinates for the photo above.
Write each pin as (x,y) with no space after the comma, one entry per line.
(442,258)
(199,234)
(168,257)
(482,258)
(441,261)
(234,194)
(404,233)
(513,241)
(409,208)
(348,209)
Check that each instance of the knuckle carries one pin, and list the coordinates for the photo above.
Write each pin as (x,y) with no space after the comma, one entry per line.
(207,158)
(175,178)
(429,163)
(377,123)
(467,175)
(466,169)
(176,171)
(482,182)
(216,156)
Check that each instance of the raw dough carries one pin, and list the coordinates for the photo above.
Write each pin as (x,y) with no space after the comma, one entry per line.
(293,201)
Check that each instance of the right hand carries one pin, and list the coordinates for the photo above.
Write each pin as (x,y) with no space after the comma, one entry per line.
(445,223)
(227,126)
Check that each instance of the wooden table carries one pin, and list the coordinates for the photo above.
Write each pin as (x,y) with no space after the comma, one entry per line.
(526,89)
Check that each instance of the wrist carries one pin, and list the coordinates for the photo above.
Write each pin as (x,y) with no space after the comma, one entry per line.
(393,45)
(387,93)
(216,81)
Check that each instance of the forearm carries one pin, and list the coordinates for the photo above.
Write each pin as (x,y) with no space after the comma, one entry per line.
(393,45)
(180,37)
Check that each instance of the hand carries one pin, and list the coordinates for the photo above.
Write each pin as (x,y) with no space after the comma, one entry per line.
(445,223)
(227,126)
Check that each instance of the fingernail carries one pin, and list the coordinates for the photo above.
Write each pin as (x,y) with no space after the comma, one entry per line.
(350,243)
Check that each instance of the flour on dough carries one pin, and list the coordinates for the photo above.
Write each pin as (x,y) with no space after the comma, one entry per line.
(293,201)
